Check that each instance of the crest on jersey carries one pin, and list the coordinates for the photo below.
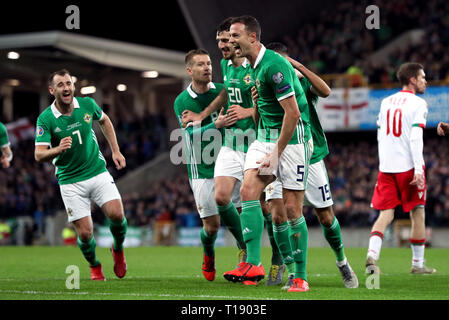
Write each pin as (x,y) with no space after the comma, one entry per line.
(39,131)
(247,79)
(87,117)
(70,212)
(277,77)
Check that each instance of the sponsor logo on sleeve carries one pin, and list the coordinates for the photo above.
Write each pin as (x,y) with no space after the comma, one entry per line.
(284,88)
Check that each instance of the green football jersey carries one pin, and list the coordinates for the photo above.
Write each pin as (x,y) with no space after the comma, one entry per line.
(276,80)
(4,141)
(200,155)
(320,149)
(238,83)
(83,160)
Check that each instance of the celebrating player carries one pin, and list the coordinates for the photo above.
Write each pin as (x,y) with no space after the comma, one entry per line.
(230,161)
(6,153)
(64,136)
(401,179)
(282,149)
(196,97)
(317,193)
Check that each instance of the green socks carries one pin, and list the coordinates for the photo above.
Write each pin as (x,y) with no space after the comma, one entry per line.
(88,250)
(333,237)
(231,219)
(252,229)
(281,233)
(118,230)
(276,257)
(208,243)
(299,239)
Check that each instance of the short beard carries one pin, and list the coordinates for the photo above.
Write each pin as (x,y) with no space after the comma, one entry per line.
(64,105)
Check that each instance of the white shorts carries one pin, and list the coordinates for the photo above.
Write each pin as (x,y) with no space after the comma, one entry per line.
(230,163)
(293,167)
(204,194)
(77,196)
(317,194)
(273,191)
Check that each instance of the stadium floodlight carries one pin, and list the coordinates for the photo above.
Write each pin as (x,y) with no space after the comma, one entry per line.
(121,87)
(150,74)
(88,90)
(13,55)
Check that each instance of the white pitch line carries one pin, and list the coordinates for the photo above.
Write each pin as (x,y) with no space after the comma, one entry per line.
(168,277)
(134,295)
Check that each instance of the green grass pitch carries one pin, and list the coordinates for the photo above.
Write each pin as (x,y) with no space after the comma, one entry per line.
(174,273)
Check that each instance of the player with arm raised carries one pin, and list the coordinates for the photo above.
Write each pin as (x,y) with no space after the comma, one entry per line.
(64,136)
(401,179)
(317,194)
(6,153)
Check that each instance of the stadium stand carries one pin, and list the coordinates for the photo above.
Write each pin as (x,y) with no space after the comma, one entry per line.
(331,44)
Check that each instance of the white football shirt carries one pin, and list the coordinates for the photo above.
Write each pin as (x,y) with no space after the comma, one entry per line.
(398,114)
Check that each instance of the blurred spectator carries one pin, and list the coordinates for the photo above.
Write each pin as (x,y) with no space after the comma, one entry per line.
(5,232)
(69,235)
(332,42)
(39,220)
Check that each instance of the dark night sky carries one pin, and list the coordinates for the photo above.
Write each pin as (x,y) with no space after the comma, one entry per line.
(159,24)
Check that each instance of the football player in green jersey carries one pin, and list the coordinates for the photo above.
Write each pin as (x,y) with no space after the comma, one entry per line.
(236,96)
(64,136)
(6,153)
(196,97)
(318,193)
(282,149)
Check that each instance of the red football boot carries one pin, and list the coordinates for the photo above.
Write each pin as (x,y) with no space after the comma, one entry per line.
(96,273)
(245,272)
(299,285)
(119,263)
(209,267)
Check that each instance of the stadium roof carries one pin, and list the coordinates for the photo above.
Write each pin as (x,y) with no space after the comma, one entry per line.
(44,52)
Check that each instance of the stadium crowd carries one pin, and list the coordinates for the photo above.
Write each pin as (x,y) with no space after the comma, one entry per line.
(331,44)
(29,189)
(340,42)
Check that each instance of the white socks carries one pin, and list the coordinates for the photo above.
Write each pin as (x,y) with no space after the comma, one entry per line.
(375,245)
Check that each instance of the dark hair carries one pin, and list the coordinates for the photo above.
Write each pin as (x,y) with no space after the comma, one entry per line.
(189,55)
(224,25)
(408,70)
(251,24)
(278,47)
(61,73)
